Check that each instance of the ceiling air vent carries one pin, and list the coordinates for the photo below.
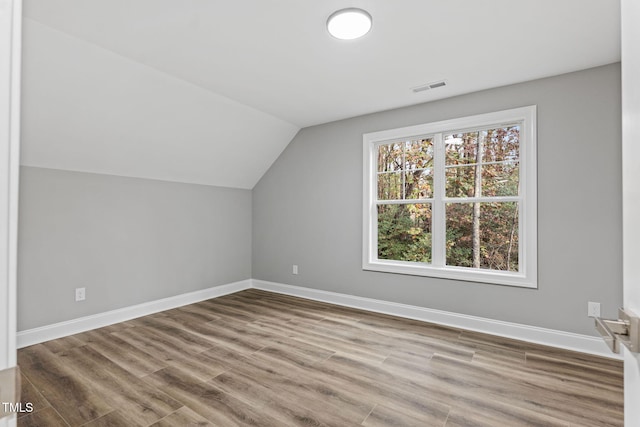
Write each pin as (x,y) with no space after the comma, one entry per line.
(428,86)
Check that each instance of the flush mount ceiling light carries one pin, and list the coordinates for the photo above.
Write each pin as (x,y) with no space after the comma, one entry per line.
(349,24)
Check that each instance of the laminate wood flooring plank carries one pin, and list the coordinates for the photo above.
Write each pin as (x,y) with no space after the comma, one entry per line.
(142,404)
(612,365)
(410,368)
(601,390)
(492,353)
(225,357)
(193,313)
(32,396)
(47,417)
(247,385)
(249,312)
(215,332)
(294,386)
(117,326)
(124,354)
(485,340)
(62,344)
(279,389)
(588,374)
(303,333)
(500,415)
(168,353)
(498,358)
(432,346)
(220,331)
(223,311)
(239,328)
(183,417)
(252,295)
(526,391)
(357,343)
(78,401)
(537,349)
(351,333)
(177,335)
(325,310)
(34,355)
(416,337)
(278,310)
(112,419)
(578,385)
(337,340)
(578,403)
(178,383)
(369,375)
(400,327)
(450,385)
(299,399)
(210,402)
(225,334)
(383,416)
(309,353)
(422,339)
(294,382)
(301,416)
(91,335)
(381,385)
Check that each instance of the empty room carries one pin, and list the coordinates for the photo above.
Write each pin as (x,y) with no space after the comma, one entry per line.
(319,213)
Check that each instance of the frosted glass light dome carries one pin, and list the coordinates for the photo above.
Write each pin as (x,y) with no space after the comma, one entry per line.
(349,24)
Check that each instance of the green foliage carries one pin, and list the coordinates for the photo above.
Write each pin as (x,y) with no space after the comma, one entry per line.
(459,234)
(498,235)
(404,232)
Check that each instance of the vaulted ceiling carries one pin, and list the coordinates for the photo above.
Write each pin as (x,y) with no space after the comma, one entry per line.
(212,91)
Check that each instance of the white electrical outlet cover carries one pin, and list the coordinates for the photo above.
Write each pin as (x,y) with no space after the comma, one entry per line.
(593,309)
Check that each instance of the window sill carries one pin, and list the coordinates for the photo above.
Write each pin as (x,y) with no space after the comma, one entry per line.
(453,273)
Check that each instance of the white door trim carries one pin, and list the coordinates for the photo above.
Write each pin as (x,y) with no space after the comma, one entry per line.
(631,194)
(10,49)
(10,58)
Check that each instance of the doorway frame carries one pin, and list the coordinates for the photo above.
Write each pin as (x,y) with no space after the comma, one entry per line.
(10,68)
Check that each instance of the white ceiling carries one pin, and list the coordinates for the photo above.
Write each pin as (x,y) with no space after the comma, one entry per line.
(211,91)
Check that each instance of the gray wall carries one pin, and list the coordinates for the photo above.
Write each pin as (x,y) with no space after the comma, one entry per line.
(307,209)
(127,240)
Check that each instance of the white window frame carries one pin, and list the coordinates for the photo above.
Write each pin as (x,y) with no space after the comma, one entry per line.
(527,199)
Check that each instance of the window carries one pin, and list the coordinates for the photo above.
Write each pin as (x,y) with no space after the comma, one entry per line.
(454,199)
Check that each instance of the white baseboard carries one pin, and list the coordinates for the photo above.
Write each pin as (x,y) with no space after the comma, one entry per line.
(83,324)
(533,334)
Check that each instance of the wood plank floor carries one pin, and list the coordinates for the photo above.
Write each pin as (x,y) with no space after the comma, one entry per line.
(261,359)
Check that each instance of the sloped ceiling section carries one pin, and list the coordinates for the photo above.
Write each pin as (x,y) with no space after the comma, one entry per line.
(88,109)
(211,91)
